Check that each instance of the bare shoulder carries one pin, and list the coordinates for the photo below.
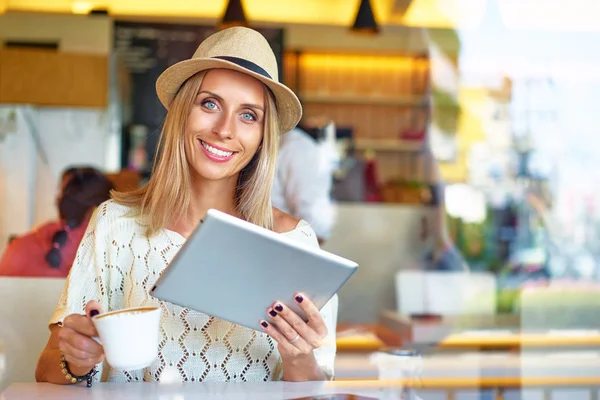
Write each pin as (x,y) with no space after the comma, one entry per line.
(283,222)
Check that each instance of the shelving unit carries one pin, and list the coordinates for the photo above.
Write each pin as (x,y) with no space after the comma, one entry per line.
(417,101)
(380,97)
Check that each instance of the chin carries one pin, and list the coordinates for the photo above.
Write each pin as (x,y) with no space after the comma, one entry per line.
(209,172)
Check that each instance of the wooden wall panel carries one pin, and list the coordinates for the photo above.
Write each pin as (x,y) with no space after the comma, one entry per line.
(50,78)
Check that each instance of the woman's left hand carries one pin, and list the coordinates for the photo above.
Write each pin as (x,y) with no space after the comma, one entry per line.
(295,338)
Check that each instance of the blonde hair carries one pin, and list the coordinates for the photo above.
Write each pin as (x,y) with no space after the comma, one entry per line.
(166,197)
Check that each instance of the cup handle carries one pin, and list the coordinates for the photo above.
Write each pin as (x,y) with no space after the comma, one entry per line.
(97,339)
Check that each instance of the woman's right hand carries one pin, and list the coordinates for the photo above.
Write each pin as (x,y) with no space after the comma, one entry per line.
(76,341)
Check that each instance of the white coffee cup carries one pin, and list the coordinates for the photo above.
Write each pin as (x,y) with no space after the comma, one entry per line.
(129,337)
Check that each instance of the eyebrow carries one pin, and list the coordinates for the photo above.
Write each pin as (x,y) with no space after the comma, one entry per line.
(248,105)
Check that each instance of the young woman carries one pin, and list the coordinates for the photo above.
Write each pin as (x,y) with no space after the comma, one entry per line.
(226,110)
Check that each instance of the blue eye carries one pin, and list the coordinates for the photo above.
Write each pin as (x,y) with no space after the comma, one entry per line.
(249,116)
(209,104)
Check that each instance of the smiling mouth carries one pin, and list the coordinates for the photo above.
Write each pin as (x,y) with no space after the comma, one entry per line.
(215,151)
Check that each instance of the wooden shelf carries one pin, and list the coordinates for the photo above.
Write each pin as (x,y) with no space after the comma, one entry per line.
(388,145)
(414,101)
(378,96)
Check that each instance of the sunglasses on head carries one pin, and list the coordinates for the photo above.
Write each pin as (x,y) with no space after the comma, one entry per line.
(54,257)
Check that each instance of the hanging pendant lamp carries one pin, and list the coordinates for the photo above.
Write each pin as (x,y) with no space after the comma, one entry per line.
(365,20)
(234,15)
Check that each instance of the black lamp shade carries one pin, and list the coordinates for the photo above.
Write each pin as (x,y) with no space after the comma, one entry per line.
(365,21)
(234,15)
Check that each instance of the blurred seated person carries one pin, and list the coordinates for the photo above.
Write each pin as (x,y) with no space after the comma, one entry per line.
(349,179)
(304,175)
(442,254)
(66,176)
(49,250)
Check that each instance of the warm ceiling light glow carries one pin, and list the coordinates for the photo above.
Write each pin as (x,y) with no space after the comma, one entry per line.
(172,8)
(82,7)
(313,12)
(2,6)
(348,61)
(63,6)
(445,13)
(318,12)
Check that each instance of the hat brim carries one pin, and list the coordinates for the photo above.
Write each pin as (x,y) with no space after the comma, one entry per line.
(169,82)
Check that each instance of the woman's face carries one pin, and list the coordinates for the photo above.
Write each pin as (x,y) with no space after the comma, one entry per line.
(225,124)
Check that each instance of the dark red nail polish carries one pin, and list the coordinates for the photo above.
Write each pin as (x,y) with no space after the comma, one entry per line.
(279,307)
(264,324)
(93,313)
(273,313)
(299,299)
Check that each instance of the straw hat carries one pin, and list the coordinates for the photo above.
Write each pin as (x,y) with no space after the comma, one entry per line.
(240,49)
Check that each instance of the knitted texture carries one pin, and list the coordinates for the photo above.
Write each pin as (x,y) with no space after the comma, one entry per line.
(117,265)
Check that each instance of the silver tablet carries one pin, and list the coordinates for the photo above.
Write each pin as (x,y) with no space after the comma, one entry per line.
(235,270)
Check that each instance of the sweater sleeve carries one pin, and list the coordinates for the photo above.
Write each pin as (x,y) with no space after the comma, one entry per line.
(86,279)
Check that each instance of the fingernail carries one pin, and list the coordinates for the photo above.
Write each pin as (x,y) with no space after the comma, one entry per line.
(264,324)
(273,313)
(93,313)
(279,307)
(299,299)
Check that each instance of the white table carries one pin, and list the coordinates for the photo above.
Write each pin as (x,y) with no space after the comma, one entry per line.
(234,391)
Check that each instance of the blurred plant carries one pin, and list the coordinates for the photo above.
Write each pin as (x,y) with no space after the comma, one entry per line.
(445,111)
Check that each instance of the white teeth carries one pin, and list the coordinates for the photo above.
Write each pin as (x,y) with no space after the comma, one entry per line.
(214,151)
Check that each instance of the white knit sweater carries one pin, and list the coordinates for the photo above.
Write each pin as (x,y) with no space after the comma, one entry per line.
(117,265)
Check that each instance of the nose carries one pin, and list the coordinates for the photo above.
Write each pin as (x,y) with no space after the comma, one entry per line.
(224,127)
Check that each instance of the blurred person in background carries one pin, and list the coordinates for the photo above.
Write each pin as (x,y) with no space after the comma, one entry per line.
(49,250)
(66,176)
(304,175)
(442,254)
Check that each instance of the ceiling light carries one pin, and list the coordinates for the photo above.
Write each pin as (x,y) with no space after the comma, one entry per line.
(82,7)
(444,14)
(365,21)
(234,15)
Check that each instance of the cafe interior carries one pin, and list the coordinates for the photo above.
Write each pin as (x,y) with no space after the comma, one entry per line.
(462,175)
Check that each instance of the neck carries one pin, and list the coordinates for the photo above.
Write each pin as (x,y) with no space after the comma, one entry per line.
(207,194)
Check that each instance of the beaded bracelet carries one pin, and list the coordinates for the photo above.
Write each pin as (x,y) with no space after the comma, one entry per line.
(89,377)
